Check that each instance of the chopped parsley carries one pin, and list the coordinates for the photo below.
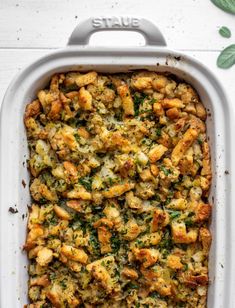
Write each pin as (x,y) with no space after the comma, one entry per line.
(158,132)
(86,182)
(115,243)
(138,99)
(188,222)
(152,101)
(63,284)
(133,286)
(166,242)
(174,214)
(77,137)
(165,170)
(94,241)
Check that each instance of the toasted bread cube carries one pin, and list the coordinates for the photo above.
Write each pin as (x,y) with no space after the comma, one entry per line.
(157,152)
(162,287)
(142,83)
(206,238)
(146,175)
(172,103)
(85,99)
(75,254)
(157,109)
(84,79)
(61,213)
(180,235)
(174,262)
(154,169)
(147,240)
(101,274)
(70,171)
(148,257)
(132,201)
(127,101)
(201,111)
(173,113)
(75,205)
(117,190)
(203,212)
(177,204)
(54,295)
(55,111)
(32,109)
(81,194)
(104,236)
(190,108)
(103,222)
(39,281)
(35,233)
(130,273)
(82,132)
(132,230)
(183,145)
(39,190)
(45,256)
(160,219)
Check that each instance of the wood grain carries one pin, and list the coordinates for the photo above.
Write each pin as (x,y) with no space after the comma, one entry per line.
(186,24)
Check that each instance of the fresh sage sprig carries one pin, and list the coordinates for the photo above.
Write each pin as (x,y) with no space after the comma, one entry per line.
(225,5)
(227,57)
(225,32)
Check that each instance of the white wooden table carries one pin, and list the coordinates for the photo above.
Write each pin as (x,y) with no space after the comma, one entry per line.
(32,28)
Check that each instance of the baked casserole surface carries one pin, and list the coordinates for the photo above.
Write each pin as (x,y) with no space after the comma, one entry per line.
(120,177)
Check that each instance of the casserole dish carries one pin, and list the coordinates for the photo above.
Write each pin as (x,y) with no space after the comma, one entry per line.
(154,56)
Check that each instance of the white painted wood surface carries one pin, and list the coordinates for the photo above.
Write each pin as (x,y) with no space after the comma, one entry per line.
(31,28)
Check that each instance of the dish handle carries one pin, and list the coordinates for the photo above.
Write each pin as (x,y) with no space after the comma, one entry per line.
(82,33)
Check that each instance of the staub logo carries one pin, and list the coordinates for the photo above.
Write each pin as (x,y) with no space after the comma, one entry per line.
(115,22)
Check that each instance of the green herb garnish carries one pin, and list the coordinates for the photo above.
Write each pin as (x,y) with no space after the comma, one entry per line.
(86,182)
(133,286)
(63,284)
(174,214)
(93,239)
(165,170)
(158,132)
(188,222)
(152,101)
(138,99)
(115,243)
(77,137)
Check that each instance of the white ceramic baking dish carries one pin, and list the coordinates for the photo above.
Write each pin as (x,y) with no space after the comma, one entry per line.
(80,56)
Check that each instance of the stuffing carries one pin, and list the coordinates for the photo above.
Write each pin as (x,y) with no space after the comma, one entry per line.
(120,178)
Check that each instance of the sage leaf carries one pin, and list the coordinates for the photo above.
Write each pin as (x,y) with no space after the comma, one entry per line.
(227,57)
(225,5)
(225,32)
